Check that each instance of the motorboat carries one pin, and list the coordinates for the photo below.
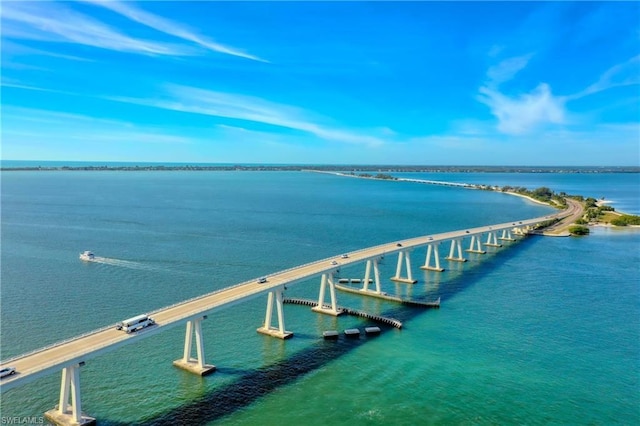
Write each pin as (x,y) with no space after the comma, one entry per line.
(87,256)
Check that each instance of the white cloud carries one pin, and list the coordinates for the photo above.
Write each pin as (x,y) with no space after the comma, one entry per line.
(14,49)
(168,27)
(525,112)
(6,82)
(43,125)
(49,21)
(507,69)
(253,109)
(624,74)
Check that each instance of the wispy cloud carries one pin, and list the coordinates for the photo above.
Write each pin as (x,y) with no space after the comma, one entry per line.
(169,27)
(6,82)
(15,49)
(507,69)
(252,109)
(521,113)
(624,74)
(54,22)
(42,125)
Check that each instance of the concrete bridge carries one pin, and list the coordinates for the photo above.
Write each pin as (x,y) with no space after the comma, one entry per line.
(69,355)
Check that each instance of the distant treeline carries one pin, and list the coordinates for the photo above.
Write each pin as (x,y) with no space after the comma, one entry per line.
(338,168)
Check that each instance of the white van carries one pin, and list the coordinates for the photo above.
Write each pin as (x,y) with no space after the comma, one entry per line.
(135,323)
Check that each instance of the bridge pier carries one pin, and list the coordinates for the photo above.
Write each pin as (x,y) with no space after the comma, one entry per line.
(456,245)
(320,307)
(187,362)
(506,235)
(404,254)
(267,328)
(475,247)
(67,414)
(492,240)
(432,250)
(376,277)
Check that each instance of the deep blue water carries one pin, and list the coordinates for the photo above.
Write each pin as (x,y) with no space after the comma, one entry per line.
(541,331)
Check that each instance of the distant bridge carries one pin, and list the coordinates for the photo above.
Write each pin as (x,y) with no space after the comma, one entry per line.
(72,353)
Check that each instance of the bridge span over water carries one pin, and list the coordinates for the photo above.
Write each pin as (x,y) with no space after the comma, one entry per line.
(69,355)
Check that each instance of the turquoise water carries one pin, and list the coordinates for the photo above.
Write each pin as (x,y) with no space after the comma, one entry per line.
(544,331)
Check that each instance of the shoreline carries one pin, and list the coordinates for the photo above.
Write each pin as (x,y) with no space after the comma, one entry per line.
(527,197)
(20,165)
(562,228)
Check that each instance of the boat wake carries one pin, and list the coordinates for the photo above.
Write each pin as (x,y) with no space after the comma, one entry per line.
(122,263)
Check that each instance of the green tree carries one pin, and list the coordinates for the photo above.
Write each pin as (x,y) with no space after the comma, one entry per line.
(543,192)
(578,230)
(625,220)
(590,202)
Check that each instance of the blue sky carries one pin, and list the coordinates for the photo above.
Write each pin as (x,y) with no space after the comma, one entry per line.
(433,83)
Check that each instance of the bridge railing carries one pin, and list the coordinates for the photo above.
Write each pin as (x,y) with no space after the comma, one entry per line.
(105,328)
(55,344)
(193,299)
(299,277)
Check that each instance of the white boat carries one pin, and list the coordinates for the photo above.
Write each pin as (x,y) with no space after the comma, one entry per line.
(87,256)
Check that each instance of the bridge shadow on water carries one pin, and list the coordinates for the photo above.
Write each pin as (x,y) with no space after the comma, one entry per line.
(474,271)
(254,384)
(453,286)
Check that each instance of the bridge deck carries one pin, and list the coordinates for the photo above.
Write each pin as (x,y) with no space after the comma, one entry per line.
(51,359)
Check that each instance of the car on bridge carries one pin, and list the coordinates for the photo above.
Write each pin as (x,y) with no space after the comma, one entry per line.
(262,280)
(7,371)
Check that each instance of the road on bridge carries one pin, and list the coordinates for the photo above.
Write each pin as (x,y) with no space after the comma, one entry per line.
(73,351)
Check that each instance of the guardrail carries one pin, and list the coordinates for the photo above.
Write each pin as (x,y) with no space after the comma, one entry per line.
(56,344)
(195,298)
(217,291)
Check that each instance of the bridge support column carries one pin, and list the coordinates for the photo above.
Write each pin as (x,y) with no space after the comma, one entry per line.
(376,276)
(70,413)
(269,330)
(432,250)
(320,307)
(506,235)
(456,245)
(492,240)
(475,247)
(187,362)
(403,254)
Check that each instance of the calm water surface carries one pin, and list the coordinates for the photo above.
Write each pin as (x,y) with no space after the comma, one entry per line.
(544,331)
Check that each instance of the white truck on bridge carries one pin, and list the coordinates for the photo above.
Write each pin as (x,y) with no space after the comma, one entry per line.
(136,323)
